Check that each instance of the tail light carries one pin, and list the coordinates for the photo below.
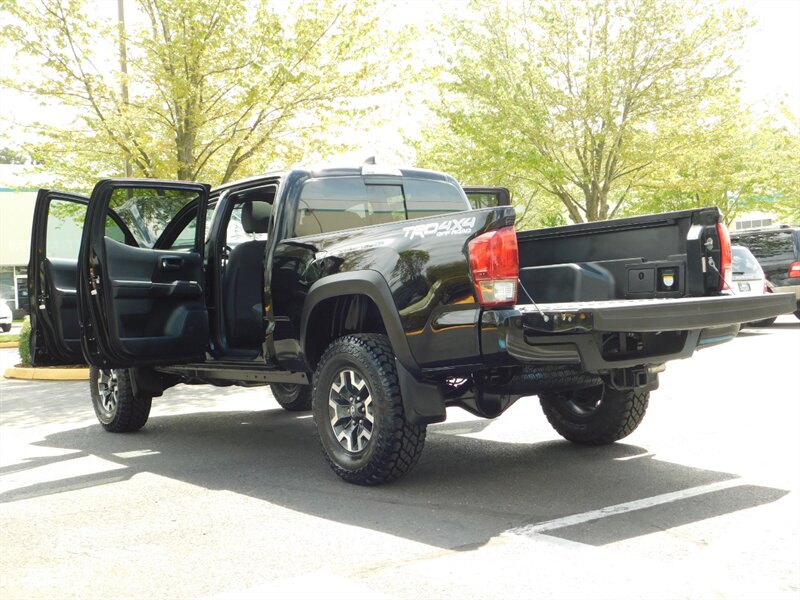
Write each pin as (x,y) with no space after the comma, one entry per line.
(794,269)
(494,260)
(725,261)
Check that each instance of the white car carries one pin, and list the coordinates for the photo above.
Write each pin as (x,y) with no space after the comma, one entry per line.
(748,276)
(5,316)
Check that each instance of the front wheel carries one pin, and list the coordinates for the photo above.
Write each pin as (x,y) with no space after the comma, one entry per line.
(292,396)
(359,415)
(116,406)
(595,416)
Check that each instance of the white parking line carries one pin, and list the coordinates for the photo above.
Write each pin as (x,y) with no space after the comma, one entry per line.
(617,509)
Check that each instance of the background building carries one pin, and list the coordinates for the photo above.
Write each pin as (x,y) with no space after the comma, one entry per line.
(17,202)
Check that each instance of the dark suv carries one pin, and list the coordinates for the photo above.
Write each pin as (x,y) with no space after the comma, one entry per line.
(777,249)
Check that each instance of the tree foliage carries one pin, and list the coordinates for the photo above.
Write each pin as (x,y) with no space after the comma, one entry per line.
(586,101)
(747,163)
(210,86)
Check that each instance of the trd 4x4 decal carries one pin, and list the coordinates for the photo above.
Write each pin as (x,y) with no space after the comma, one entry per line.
(442,228)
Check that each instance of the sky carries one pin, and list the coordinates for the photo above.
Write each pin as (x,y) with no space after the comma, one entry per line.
(771,61)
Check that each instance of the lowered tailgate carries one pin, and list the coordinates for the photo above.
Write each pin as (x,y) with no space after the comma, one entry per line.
(649,315)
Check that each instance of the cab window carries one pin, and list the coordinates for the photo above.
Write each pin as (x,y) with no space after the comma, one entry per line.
(337,203)
(147,214)
(428,198)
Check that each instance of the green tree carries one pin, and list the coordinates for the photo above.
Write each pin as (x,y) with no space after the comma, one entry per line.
(9,156)
(744,164)
(204,89)
(583,100)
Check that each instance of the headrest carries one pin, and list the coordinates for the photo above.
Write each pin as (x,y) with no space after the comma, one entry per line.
(255,216)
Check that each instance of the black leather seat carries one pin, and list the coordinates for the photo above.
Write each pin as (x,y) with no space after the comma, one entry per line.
(243,282)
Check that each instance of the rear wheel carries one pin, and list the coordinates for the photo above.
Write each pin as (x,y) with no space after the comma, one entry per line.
(116,406)
(763,322)
(797,314)
(6,327)
(292,396)
(359,415)
(595,416)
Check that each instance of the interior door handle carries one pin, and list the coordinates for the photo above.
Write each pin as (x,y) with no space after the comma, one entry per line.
(171,263)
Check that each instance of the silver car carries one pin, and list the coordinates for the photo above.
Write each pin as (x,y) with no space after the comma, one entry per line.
(748,279)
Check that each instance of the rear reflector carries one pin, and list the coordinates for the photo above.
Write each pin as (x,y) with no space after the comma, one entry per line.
(494,260)
(794,269)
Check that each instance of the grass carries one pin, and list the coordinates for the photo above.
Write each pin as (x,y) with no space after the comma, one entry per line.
(9,337)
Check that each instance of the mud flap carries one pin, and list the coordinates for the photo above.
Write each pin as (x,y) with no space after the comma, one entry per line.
(423,402)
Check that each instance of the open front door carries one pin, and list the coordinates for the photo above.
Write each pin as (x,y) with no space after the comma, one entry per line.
(142,300)
(52,278)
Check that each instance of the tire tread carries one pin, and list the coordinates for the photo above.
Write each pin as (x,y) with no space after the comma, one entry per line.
(400,443)
(132,411)
(617,420)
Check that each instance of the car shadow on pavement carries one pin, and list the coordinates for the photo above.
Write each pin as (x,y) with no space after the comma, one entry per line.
(464,488)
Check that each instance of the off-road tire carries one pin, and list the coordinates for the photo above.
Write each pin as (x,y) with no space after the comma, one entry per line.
(595,416)
(394,445)
(293,397)
(116,406)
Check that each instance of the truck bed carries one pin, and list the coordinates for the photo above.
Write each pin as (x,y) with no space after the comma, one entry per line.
(618,259)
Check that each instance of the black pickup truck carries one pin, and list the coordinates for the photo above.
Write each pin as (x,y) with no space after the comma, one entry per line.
(377,298)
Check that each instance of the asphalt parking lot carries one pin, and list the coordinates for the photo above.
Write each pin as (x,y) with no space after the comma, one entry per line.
(224,495)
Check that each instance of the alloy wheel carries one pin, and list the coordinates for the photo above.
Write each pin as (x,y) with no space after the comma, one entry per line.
(108,391)
(351,411)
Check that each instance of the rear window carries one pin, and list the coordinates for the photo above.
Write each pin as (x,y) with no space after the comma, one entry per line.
(769,246)
(426,198)
(745,264)
(337,203)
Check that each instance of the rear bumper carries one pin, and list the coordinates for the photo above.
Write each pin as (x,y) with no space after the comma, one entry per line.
(618,334)
(654,315)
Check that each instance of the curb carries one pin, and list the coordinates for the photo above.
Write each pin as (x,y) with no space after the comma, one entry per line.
(9,344)
(47,374)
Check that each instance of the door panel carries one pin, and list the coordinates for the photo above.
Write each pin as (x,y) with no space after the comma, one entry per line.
(141,303)
(52,278)
(157,295)
(61,275)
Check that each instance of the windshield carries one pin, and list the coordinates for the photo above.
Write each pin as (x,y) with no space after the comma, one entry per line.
(745,266)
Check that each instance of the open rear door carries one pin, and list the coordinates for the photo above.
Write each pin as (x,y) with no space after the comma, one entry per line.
(142,300)
(52,278)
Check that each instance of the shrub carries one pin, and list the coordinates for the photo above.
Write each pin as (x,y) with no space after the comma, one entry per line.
(25,342)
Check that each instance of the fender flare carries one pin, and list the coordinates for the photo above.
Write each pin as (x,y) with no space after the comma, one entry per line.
(423,403)
(367,283)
